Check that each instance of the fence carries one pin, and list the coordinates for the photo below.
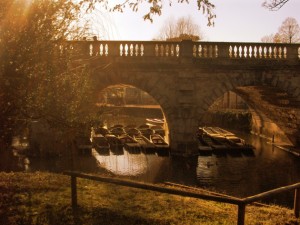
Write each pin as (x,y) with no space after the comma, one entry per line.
(240,202)
(186,48)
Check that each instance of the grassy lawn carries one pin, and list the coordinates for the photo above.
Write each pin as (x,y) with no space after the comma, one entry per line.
(44,198)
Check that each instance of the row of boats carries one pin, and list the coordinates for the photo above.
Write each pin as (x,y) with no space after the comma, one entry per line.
(146,137)
(218,140)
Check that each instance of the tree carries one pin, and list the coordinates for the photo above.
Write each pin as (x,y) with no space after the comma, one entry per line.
(180,29)
(274,4)
(155,7)
(271,38)
(288,32)
(35,79)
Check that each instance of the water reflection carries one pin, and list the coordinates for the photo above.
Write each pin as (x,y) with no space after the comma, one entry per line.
(238,175)
(146,167)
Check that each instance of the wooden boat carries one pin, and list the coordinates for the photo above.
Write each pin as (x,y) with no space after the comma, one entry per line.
(159,141)
(239,143)
(222,131)
(101,144)
(129,142)
(100,130)
(158,129)
(144,142)
(231,142)
(133,132)
(117,131)
(147,132)
(155,121)
(116,145)
(128,127)
(214,142)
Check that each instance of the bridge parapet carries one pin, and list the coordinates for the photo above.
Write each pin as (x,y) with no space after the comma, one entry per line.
(186,48)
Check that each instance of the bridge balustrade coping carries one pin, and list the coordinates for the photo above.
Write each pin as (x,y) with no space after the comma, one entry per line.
(185,48)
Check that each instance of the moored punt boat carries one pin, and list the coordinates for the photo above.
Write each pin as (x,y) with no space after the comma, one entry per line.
(222,131)
(129,142)
(147,132)
(155,121)
(210,131)
(144,142)
(231,143)
(101,144)
(162,147)
(116,146)
(158,129)
(133,132)
(159,141)
(117,131)
(215,143)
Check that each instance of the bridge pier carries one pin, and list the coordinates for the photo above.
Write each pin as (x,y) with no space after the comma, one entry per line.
(183,139)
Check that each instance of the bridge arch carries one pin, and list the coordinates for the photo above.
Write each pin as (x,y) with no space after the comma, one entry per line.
(268,100)
(151,84)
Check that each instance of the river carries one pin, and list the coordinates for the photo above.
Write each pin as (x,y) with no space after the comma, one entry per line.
(237,175)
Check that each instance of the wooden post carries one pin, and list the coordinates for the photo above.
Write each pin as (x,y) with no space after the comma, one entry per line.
(73,192)
(241,214)
(297,202)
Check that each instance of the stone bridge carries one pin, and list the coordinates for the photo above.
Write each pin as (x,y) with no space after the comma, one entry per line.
(187,77)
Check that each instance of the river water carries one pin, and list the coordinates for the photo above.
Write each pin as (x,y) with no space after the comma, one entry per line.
(237,175)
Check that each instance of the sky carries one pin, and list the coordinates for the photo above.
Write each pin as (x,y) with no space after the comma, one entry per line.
(237,20)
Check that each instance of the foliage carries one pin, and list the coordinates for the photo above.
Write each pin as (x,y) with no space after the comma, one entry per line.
(36,80)
(180,29)
(288,32)
(274,4)
(155,7)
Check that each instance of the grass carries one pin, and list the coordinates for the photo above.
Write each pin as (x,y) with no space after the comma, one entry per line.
(44,198)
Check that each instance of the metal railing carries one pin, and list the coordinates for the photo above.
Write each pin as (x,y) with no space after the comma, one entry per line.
(240,202)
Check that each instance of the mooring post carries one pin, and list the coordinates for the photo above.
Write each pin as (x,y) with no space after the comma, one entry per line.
(241,214)
(74,192)
(297,202)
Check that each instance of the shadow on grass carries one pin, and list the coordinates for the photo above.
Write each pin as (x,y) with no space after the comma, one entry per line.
(64,215)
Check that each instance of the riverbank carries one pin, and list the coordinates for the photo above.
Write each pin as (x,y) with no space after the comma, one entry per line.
(44,198)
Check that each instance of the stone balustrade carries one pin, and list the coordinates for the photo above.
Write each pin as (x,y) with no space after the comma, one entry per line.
(186,48)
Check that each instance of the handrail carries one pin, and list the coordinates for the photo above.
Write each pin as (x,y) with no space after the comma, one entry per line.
(240,202)
(185,48)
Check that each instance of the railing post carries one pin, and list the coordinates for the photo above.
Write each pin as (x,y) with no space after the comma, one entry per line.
(74,192)
(223,50)
(241,214)
(297,202)
(292,51)
(186,49)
